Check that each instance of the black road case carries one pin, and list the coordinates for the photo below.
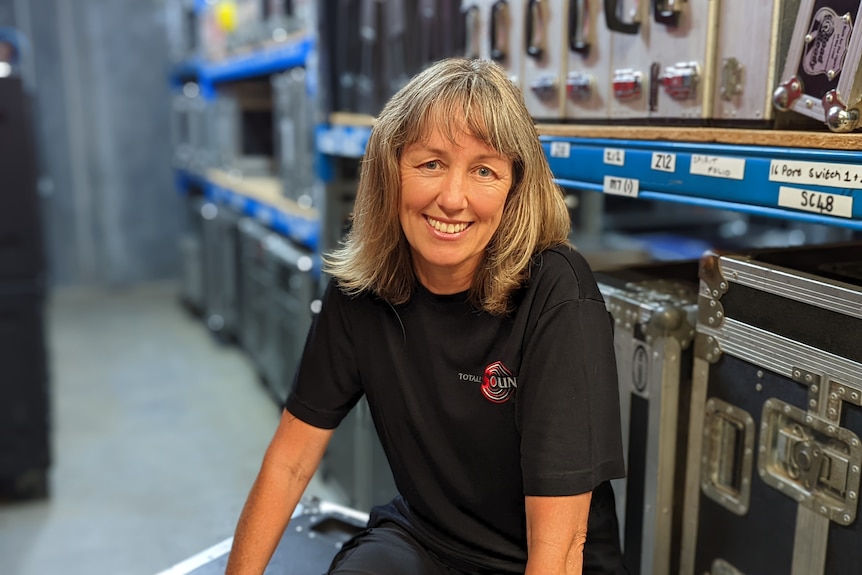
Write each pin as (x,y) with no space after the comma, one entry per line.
(24,393)
(289,301)
(654,307)
(316,532)
(256,278)
(772,484)
(221,261)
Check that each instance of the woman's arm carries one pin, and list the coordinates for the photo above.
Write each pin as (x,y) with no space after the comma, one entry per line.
(291,459)
(556,532)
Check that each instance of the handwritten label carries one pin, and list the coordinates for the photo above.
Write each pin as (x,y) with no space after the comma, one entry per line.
(561,149)
(621,186)
(817,202)
(816,174)
(663,162)
(615,157)
(717,167)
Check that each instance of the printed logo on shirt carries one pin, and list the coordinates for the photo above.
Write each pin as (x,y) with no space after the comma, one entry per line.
(498,383)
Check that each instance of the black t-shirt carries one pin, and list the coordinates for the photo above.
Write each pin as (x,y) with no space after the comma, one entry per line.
(475,411)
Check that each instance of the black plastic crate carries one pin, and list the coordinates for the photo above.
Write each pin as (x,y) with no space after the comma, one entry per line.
(25,453)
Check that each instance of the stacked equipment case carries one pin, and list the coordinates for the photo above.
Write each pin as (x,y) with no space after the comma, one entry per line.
(290,299)
(314,535)
(773,477)
(821,76)
(24,391)
(220,265)
(654,307)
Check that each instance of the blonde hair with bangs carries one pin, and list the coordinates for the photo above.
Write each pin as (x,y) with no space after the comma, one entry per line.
(453,94)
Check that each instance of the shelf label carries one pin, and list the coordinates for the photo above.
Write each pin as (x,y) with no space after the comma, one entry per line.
(561,149)
(816,174)
(663,162)
(615,157)
(621,186)
(717,167)
(817,202)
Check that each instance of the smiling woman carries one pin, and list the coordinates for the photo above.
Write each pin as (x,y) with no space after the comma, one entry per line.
(452,195)
(481,342)
(451,106)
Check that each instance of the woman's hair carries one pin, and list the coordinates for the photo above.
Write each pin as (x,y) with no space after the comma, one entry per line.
(451,95)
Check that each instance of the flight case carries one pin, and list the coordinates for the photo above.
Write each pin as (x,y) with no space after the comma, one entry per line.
(314,535)
(654,307)
(774,458)
(821,76)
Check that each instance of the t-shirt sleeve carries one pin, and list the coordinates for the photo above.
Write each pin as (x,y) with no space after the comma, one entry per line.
(327,384)
(568,401)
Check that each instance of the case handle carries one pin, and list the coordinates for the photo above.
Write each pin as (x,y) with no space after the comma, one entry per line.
(535,29)
(499,31)
(612,9)
(665,12)
(579,27)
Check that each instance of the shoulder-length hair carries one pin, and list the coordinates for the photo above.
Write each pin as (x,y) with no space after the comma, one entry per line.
(453,94)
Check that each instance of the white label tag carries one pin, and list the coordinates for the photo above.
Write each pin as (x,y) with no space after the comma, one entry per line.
(615,157)
(663,162)
(817,202)
(561,149)
(816,174)
(621,186)
(718,167)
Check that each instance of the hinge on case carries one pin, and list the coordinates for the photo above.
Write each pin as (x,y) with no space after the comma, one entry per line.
(731,78)
(709,272)
(706,347)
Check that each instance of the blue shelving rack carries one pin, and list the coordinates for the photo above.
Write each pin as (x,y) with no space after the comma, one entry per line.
(295,224)
(812,185)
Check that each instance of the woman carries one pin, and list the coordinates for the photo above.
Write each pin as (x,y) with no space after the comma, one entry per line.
(480,340)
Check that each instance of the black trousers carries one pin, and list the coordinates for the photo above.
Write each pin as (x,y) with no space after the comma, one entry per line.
(386,548)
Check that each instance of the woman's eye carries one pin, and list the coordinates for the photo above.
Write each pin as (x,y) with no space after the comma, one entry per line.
(484,172)
(432,165)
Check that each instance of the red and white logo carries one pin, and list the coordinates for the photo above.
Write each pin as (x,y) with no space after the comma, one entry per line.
(498,383)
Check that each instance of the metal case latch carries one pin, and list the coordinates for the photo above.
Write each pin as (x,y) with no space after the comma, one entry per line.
(579,86)
(545,88)
(680,80)
(811,460)
(628,84)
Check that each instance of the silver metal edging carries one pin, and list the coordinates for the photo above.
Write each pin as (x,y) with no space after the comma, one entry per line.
(780,354)
(200,559)
(798,286)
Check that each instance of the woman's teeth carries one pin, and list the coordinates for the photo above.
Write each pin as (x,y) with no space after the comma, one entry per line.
(447,228)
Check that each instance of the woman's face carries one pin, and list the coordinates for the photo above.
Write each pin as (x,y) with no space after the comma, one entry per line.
(452,198)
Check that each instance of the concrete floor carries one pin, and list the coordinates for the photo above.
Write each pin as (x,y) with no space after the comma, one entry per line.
(158,432)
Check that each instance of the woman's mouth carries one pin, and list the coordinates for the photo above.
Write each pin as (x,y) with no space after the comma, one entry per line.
(445,228)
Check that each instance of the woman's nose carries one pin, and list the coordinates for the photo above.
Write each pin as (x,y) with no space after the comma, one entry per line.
(452,196)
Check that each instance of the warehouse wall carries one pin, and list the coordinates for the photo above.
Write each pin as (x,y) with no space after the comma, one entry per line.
(98,69)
